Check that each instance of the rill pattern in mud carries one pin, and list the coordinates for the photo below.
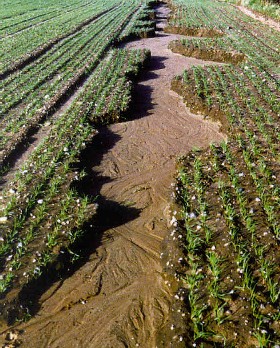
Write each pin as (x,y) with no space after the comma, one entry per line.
(117,294)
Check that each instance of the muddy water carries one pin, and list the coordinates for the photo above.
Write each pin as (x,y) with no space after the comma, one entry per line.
(119,297)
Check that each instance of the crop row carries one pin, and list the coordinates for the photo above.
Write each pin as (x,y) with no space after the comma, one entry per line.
(214,49)
(239,184)
(227,93)
(41,212)
(23,43)
(17,86)
(141,24)
(257,42)
(13,13)
(229,194)
(189,15)
(231,251)
(269,8)
(26,58)
(36,16)
(33,92)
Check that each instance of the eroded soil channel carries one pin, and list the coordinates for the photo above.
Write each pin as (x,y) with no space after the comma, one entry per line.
(119,297)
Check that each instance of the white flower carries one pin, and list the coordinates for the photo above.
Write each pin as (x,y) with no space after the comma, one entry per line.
(40,201)
(3,219)
(173,221)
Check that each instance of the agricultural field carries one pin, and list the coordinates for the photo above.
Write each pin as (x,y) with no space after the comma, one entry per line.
(228,196)
(64,74)
(269,8)
(43,63)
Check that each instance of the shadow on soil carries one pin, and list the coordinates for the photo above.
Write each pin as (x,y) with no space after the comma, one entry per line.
(109,214)
(142,93)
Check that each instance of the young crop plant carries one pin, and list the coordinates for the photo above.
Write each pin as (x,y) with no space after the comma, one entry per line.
(33,92)
(141,23)
(215,49)
(43,215)
(236,183)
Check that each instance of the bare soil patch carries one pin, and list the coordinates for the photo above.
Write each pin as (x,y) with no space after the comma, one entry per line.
(118,295)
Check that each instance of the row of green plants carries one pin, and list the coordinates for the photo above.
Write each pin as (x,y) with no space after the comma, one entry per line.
(13,14)
(18,86)
(229,194)
(253,123)
(231,252)
(22,44)
(42,214)
(268,8)
(141,23)
(34,16)
(32,92)
(188,14)
(214,49)
(240,33)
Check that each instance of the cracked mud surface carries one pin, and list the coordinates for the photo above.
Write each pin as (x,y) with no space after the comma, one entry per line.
(119,297)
